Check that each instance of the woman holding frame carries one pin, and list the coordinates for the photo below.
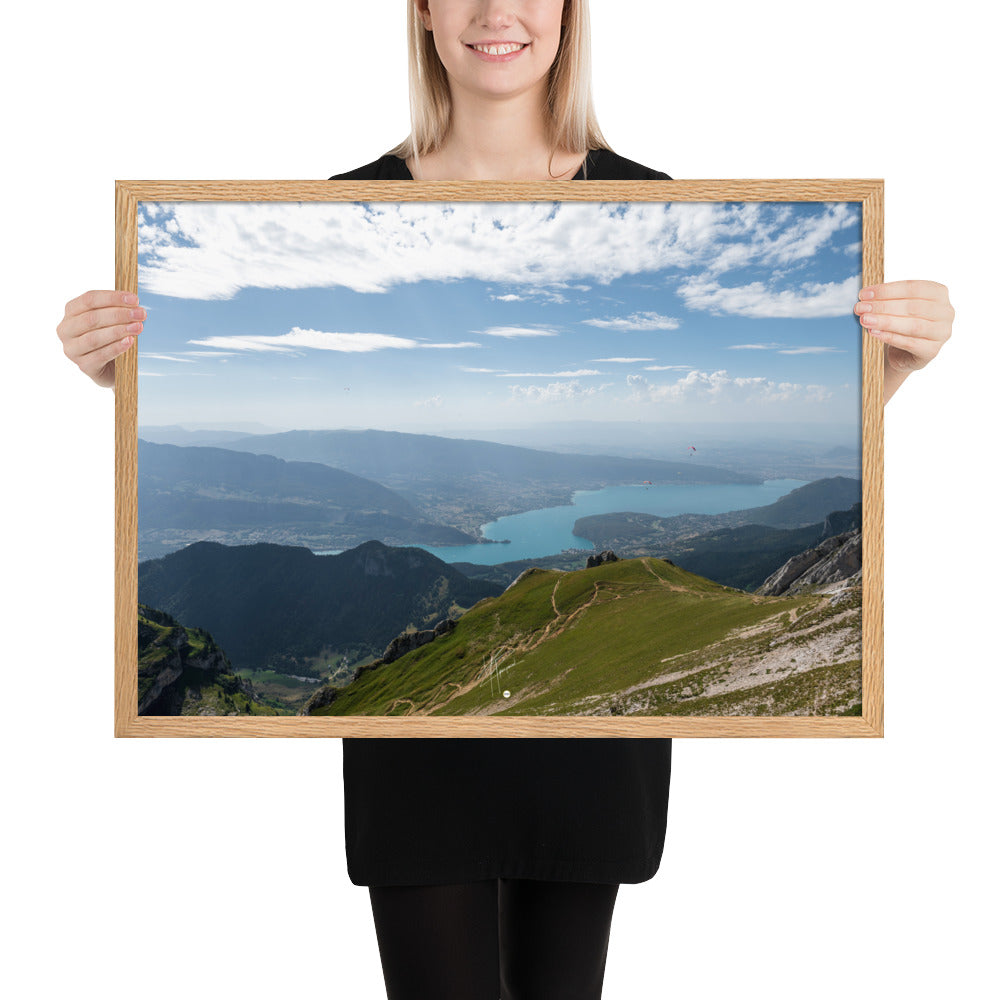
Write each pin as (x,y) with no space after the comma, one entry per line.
(508,887)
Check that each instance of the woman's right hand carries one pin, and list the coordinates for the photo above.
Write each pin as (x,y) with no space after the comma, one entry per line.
(96,328)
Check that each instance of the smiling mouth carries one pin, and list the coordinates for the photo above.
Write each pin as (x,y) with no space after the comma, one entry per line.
(501,49)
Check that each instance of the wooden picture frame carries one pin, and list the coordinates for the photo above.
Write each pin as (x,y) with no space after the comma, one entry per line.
(865,197)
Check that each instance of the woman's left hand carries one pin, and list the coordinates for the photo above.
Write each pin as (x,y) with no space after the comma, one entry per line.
(912,318)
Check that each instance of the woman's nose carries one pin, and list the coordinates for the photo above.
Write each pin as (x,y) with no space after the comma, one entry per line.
(496,13)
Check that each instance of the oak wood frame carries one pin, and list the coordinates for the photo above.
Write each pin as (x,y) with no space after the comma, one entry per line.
(128,722)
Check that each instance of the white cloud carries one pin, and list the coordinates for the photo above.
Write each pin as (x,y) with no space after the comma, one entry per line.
(545,296)
(722,388)
(554,392)
(666,368)
(783,349)
(166,357)
(210,250)
(636,321)
(810,350)
(434,403)
(580,373)
(620,361)
(296,339)
(318,340)
(512,332)
(809,301)
(481,371)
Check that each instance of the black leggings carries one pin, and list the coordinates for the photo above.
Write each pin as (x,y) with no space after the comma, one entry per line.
(514,939)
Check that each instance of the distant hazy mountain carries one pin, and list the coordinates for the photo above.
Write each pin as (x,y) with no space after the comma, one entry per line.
(213,436)
(466,483)
(189,494)
(285,608)
(389,455)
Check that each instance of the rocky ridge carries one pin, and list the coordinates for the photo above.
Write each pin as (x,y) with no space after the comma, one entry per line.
(834,560)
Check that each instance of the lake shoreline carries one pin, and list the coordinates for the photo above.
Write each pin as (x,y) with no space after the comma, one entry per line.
(549,531)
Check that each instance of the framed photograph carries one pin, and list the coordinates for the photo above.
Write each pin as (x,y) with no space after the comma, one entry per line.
(469,459)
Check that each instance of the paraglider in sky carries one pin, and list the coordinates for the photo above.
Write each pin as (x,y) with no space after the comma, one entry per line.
(691,450)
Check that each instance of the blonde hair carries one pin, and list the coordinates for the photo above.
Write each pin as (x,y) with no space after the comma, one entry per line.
(572,122)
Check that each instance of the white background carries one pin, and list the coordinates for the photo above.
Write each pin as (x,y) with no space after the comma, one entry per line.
(792,869)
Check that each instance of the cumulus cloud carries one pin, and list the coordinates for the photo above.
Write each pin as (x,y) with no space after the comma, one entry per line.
(721,387)
(554,392)
(636,321)
(809,301)
(211,250)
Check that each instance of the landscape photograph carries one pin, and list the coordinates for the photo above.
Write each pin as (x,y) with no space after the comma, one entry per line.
(499,458)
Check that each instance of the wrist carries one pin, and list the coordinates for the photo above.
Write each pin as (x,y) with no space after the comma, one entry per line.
(892,379)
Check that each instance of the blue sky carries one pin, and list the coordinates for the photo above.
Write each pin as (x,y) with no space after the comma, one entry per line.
(449,318)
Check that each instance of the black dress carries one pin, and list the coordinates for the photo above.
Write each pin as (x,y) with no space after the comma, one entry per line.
(434,810)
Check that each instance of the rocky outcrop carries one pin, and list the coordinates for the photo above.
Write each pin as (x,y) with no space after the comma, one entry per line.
(176,662)
(607,556)
(406,643)
(399,647)
(841,521)
(409,641)
(834,560)
(320,699)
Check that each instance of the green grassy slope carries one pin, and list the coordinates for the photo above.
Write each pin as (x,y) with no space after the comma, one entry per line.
(183,672)
(638,636)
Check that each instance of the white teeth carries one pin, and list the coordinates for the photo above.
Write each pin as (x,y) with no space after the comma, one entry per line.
(499,50)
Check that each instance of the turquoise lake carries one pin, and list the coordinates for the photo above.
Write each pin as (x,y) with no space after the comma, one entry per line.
(547,532)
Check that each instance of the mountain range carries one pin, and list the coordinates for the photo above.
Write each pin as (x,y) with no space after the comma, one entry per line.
(807,505)
(189,494)
(467,483)
(285,609)
(735,548)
